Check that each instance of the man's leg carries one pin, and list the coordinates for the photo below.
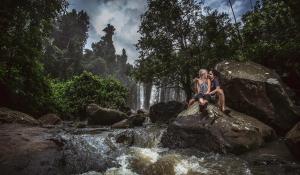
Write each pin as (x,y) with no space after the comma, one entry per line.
(221,99)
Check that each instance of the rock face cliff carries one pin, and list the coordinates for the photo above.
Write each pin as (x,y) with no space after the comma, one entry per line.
(257,91)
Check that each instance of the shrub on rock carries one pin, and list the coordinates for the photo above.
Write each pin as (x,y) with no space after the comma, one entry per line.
(74,95)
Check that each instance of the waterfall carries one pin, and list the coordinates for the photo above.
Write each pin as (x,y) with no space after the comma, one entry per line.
(140,99)
(148,94)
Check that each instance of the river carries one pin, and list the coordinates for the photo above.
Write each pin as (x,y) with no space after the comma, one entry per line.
(138,151)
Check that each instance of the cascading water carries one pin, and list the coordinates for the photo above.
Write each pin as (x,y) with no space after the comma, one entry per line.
(138,151)
(157,94)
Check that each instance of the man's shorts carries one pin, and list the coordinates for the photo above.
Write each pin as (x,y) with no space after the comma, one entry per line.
(212,98)
(198,96)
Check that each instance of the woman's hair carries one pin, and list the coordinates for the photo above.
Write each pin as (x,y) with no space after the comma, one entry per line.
(202,71)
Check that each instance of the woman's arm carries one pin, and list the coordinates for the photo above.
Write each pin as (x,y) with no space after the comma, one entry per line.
(198,87)
(208,86)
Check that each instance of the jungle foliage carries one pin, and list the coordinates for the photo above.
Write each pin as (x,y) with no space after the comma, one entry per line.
(72,96)
(41,41)
(180,37)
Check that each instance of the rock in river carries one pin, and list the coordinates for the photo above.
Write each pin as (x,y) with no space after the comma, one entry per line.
(293,140)
(259,92)
(132,121)
(163,112)
(11,116)
(50,119)
(103,116)
(215,131)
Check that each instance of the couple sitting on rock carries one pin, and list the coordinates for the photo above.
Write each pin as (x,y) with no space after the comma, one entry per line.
(207,87)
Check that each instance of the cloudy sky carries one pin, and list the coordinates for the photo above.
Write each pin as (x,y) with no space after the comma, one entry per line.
(125,16)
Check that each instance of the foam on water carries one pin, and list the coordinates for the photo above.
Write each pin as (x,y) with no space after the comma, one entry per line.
(123,160)
(189,165)
(151,154)
(91,173)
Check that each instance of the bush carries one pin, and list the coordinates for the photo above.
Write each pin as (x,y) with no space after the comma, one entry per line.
(72,97)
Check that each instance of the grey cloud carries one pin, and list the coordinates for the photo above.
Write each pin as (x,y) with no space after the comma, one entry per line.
(125,16)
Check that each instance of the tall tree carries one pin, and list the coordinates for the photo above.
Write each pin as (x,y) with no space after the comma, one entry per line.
(105,47)
(25,25)
(177,39)
(272,38)
(69,39)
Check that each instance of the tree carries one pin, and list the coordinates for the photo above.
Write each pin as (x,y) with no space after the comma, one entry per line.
(177,40)
(64,55)
(24,26)
(294,6)
(272,37)
(105,47)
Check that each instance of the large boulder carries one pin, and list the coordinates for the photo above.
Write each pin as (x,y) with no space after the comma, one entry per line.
(50,119)
(11,116)
(103,116)
(293,140)
(132,121)
(216,131)
(34,150)
(28,150)
(121,124)
(137,119)
(257,91)
(273,158)
(164,111)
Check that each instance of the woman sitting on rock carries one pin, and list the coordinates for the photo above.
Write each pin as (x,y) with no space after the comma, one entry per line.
(216,90)
(203,88)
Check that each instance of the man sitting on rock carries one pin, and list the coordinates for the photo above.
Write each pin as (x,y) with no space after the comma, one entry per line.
(216,91)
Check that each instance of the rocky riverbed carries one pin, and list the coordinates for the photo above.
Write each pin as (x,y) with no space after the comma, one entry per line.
(65,149)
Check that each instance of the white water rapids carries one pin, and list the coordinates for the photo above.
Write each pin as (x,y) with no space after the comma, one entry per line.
(138,152)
